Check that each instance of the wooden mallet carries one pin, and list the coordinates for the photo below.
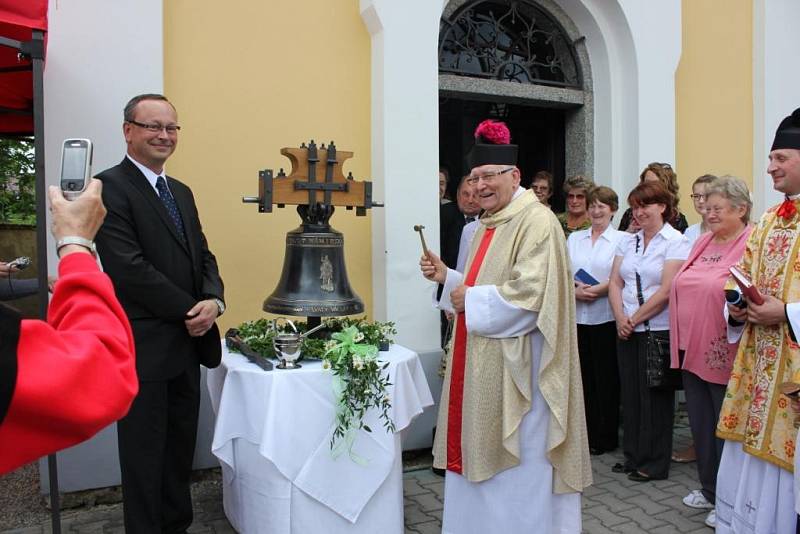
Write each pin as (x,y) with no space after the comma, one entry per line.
(419,228)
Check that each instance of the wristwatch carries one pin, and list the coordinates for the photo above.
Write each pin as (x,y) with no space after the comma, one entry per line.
(76,240)
(220,306)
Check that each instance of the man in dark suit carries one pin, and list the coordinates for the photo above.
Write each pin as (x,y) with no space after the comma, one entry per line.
(452,219)
(153,248)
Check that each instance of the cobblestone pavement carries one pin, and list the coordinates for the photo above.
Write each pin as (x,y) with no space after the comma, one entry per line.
(612,505)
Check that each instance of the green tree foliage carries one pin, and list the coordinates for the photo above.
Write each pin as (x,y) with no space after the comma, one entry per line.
(17,182)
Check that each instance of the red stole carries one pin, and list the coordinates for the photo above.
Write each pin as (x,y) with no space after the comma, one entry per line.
(458,363)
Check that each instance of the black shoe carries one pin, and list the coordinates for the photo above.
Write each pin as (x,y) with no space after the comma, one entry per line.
(437,471)
(619,468)
(594,451)
(638,476)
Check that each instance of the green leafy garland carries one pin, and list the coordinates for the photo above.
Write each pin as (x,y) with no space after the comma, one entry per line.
(352,355)
(358,385)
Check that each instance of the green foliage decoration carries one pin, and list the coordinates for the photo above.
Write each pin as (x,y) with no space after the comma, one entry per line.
(17,182)
(351,354)
(359,384)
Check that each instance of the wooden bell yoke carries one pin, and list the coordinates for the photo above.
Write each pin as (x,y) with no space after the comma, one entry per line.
(316,179)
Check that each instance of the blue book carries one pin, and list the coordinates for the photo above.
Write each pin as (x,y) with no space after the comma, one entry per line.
(586,278)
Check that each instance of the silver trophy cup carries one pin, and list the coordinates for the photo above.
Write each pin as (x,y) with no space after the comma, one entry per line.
(287,348)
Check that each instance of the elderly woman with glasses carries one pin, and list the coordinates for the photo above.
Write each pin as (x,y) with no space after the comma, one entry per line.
(542,185)
(576,216)
(658,172)
(698,331)
(644,265)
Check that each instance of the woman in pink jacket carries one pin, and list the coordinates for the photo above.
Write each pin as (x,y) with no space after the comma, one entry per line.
(698,332)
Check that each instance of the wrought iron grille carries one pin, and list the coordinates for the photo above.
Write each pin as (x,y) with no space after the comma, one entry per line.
(507,40)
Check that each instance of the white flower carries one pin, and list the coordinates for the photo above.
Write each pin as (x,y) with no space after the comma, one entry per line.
(330,344)
(326,364)
(387,398)
(358,337)
(358,364)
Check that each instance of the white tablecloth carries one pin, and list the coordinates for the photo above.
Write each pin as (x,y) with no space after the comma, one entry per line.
(272,437)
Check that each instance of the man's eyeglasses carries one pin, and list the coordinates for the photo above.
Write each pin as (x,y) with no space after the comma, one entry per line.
(487,177)
(697,197)
(155,127)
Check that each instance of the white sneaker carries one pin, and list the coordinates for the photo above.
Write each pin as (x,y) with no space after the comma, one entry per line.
(711,518)
(695,499)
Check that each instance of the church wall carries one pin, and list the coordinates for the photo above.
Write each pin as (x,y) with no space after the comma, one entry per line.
(775,82)
(248,79)
(714,94)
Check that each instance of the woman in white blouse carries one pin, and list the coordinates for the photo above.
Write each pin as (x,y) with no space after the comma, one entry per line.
(653,255)
(591,251)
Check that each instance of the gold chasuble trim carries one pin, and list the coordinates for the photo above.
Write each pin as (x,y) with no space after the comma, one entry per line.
(754,411)
(528,264)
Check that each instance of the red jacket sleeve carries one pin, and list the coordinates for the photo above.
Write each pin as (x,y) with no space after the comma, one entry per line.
(76,373)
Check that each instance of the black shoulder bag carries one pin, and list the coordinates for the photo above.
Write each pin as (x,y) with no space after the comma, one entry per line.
(657,357)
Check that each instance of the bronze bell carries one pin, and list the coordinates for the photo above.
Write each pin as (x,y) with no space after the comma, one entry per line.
(314,280)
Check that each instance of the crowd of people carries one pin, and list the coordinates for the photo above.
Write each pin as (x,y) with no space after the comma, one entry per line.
(562,327)
(656,311)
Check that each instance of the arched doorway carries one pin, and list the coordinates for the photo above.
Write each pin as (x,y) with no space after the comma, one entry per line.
(523,62)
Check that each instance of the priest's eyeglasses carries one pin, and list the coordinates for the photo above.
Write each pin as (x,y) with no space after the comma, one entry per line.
(487,177)
(156,128)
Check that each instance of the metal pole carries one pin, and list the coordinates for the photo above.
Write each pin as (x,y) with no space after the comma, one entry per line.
(37,61)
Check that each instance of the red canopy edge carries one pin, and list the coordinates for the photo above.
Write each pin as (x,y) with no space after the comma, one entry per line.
(17,20)
(30,14)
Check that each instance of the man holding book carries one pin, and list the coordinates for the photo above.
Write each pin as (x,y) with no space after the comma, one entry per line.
(755,490)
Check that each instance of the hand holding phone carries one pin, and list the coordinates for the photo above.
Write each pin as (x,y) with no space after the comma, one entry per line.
(76,166)
(20,263)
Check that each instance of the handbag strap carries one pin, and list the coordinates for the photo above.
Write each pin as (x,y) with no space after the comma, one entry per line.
(639,295)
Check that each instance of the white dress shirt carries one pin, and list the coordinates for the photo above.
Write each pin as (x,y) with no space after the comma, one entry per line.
(596,259)
(150,175)
(667,244)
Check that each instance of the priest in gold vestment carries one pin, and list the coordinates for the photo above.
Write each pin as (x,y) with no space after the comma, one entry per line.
(755,486)
(512,433)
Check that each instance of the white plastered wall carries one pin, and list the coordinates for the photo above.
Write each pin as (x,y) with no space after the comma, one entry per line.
(776,85)
(99,55)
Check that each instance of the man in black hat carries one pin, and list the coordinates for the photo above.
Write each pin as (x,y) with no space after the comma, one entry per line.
(511,426)
(754,486)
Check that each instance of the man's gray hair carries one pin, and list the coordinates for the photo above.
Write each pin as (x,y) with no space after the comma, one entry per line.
(130,107)
(735,190)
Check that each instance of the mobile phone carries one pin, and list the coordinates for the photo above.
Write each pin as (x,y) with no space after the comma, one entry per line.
(76,166)
(20,263)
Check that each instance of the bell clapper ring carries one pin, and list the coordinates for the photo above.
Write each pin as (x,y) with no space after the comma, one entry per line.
(419,228)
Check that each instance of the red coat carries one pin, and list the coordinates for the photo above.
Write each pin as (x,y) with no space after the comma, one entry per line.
(75,374)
